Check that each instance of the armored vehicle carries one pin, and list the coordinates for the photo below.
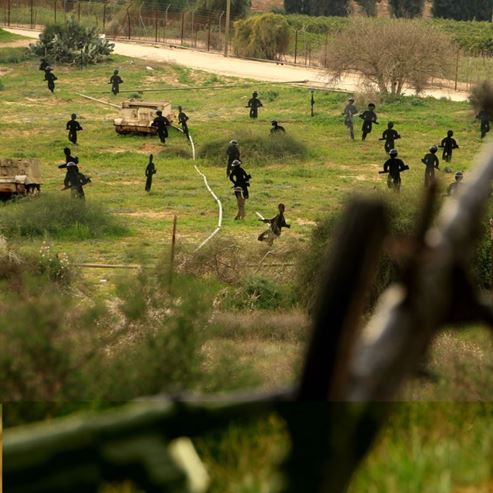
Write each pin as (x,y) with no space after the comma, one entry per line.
(19,177)
(136,116)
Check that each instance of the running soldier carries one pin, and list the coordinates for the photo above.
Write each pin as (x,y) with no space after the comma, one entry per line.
(150,171)
(369,117)
(394,167)
(453,187)
(254,104)
(161,123)
(484,118)
(241,181)
(73,126)
(50,77)
(390,136)
(182,120)
(276,224)
(43,64)
(349,112)
(276,128)
(233,153)
(115,81)
(448,144)
(431,162)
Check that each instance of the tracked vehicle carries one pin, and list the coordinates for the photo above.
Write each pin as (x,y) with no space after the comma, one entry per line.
(19,177)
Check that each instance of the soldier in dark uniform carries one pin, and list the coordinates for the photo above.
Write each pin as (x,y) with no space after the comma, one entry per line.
(484,118)
(448,144)
(276,128)
(276,224)
(161,123)
(233,153)
(394,167)
(51,78)
(431,162)
(73,126)
(115,81)
(69,157)
(369,118)
(349,112)
(150,171)
(452,188)
(254,104)
(43,64)
(390,136)
(241,181)
(182,120)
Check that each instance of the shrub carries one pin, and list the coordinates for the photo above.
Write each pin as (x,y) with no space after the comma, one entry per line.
(258,149)
(72,43)
(262,36)
(58,217)
(390,54)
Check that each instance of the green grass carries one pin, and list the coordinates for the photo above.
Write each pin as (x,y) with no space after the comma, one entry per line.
(6,37)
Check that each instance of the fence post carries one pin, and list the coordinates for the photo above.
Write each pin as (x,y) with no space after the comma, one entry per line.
(172,254)
(32,13)
(78,11)
(193,15)
(457,70)
(326,49)
(295,45)
(128,23)
(104,15)
(209,36)
(8,12)
(156,18)
(182,26)
(54,9)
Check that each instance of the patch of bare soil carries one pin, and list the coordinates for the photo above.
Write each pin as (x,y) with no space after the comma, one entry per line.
(19,43)
(4,71)
(149,214)
(150,149)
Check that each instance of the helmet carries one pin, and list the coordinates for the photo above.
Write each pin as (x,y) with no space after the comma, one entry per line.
(371,105)
(433,149)
(115,71)
(70,163)
(393,152)
(351,100)
(390,124)
(255,93)
(459,175)
(159,112)
(74,116)
(236,162)
(274,122)
(450,133)
(66,150)
(233,142)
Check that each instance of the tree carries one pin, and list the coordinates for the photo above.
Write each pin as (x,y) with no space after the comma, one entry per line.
(406,8)
(369,7)
(318,7)
(72,43)
(392,55)
(262,36)
(464,10)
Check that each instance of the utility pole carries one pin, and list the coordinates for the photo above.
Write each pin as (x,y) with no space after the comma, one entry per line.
(226,28)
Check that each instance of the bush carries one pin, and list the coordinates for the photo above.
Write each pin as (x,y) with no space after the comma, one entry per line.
(257,149)
(262,36)
(58,217)
(72,43)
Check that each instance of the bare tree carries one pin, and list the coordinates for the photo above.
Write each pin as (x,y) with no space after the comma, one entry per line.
(392,54)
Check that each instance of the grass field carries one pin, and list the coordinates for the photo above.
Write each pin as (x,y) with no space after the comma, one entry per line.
(269,343)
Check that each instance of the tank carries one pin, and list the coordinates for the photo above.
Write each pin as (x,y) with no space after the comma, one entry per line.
(19,177)
(136,116)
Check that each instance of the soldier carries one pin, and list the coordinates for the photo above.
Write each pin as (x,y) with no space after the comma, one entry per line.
(254,104)
(276,224)
(51,78)
(431,162)
(161,122)
(182,120)
(394,167)
(369,118)
(390,136)
(349,111)
(73,126)
(241,182)
(44,64)
(453,187)
(115,81)
(75,180)
(448,144)
(233,153)
(69,157)
(150,170)
(484,118)
(276,128)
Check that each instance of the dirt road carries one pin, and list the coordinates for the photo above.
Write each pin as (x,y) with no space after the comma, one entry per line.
(248,69)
